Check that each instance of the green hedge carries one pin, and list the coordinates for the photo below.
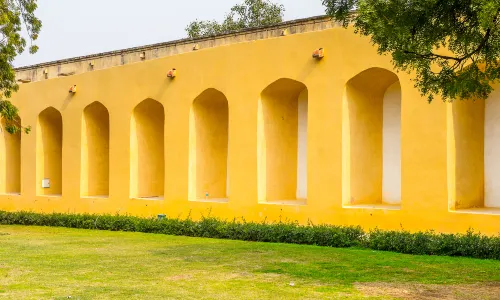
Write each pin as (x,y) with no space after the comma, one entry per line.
(471,244)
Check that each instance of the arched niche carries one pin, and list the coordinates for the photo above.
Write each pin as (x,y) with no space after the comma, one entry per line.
(147,158)
(10,160)
(282,142)
(95,151)
(492,149)
(473,147)
(49,141)
(209,126)
(372,139)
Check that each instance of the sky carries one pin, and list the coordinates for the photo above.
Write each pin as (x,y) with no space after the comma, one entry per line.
(80,27)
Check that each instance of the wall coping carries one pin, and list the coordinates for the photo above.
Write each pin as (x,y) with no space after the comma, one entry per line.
(282,25)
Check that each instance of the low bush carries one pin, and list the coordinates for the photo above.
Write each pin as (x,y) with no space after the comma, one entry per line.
(471,244)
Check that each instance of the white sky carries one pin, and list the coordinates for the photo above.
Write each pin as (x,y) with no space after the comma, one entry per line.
(81,27)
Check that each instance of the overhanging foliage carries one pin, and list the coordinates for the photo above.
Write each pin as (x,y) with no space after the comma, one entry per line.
(452,46)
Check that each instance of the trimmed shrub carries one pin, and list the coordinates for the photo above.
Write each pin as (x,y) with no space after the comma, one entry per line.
(471,244)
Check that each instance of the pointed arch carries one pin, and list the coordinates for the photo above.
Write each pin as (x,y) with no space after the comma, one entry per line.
(208,159)
(49,142)
(95,151)
(147,157)
(282,141)
(372,138)
(10,160)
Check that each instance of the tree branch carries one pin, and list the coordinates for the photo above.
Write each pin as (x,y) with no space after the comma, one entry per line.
(431,55)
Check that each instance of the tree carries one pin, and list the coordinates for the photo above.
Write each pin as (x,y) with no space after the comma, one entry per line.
(252,13)
(13,15)
(453,46)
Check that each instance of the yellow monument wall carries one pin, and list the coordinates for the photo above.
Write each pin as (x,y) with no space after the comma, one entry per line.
(252,128)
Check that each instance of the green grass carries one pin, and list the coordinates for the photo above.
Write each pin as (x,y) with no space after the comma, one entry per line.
(54,263)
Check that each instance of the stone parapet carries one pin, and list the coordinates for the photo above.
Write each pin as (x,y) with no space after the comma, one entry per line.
(105,60)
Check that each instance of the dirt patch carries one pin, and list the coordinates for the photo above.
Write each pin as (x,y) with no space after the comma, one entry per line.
(431,291)
(179,277)
(191,276)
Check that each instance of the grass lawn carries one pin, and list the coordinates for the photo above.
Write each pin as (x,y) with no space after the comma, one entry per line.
(55,263)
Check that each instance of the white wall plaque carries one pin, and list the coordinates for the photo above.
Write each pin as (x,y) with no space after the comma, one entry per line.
(45,183)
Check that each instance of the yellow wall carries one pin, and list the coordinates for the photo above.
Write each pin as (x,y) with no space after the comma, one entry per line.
(149,146)
(10,161)
(208,146)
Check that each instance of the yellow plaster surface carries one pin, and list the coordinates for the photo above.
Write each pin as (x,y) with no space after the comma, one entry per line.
(150,121)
